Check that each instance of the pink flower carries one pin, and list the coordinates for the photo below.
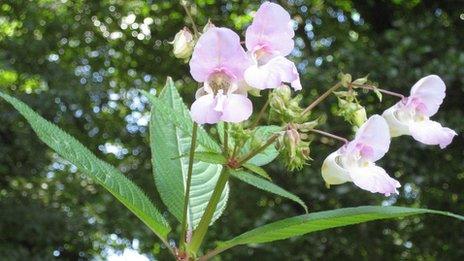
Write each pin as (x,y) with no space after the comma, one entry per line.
(269,39)
(411,116)
(219,62)
(355,161)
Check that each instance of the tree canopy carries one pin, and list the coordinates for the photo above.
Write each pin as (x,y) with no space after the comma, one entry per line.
(81,63)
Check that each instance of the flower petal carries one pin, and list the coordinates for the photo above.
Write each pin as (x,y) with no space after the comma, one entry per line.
(332,172)
(202,110)
(430,90)
(218,49)
(375,134)
(236,108)
(432,133)
(374,179)
(271,29)
(397,127)
(272,74)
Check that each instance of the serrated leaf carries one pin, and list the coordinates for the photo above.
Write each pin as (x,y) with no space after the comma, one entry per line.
(106,175)
(170,138)
(256,169)
(304,224)
(267,186)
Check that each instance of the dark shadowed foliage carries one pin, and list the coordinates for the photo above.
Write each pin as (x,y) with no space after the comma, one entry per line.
(80,64)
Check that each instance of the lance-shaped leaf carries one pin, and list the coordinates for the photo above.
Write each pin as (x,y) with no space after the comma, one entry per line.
(103,173)
(170,138)
(257,170)
(266,186)
(304,224)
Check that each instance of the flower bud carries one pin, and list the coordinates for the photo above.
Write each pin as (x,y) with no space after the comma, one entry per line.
(360,81)
(307,126)
(294,151)
(359,116)
(345,79)
(284,92)
(291,140)
(183,44)
(208,26)
(284,108)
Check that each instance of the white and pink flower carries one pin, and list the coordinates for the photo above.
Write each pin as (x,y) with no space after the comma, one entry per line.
(355,161)
(269,39)
(219,62)
(411,116)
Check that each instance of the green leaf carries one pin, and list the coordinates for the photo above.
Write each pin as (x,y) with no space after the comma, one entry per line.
(178,115)
(211,157)
(108,176)
(270,153)
(170,138)
(317,221)
(267,186)
(256,169)
(261,132)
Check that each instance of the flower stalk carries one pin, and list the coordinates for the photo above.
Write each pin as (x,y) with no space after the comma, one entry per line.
(261,113)
(194,26)
(373,88)
(333,136)
(321,98)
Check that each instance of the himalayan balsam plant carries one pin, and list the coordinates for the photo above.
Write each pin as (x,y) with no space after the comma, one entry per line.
(192,167)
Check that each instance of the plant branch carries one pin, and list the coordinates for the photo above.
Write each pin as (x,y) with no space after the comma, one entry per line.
(187,186)
(321,98)
(194,26)
(260,149)
(329,135)
(202,228)
(261,113)
(372,88)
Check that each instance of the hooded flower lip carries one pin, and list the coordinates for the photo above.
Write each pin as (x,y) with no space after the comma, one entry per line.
(219,62)
(355,161)
(271,30)
(269,39)
(411,116)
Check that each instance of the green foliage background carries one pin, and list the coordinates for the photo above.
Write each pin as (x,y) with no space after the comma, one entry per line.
(80,67)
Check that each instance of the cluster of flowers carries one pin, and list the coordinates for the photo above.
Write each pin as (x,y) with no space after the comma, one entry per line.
(355,161)
(228,73)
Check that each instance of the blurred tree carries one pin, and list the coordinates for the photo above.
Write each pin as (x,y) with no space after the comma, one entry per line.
(80,64)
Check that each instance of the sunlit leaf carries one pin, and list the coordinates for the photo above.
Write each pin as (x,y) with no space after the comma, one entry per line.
(108,176)
(170,138)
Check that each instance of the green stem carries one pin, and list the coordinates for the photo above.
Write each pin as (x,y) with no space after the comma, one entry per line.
(187,186)
(261,113)
(226,139)
(260,149)
(202,228)
(321,98)
(194,26)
